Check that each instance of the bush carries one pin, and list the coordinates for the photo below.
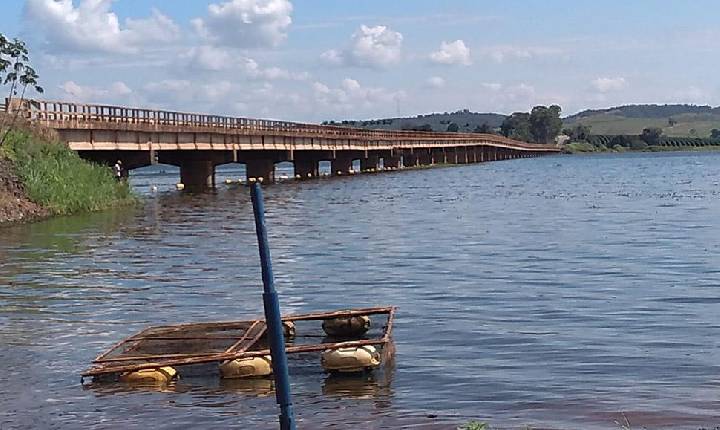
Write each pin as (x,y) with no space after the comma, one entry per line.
(58,179)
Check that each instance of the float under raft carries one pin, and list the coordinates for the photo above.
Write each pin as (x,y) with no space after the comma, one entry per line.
(217,342)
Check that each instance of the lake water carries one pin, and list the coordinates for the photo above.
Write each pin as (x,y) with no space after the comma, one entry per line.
(556,292)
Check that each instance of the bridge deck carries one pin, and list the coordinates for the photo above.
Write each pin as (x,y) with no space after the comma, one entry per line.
(192,131)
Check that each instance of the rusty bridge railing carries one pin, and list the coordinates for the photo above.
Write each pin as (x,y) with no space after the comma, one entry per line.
(67,115)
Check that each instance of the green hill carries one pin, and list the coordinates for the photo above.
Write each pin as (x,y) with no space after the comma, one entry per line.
(676,120)
(467,121)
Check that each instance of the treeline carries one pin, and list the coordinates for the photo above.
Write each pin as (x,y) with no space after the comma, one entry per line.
(650,137)
(647,111)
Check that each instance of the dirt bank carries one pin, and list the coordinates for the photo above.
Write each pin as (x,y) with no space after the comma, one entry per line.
(15,206)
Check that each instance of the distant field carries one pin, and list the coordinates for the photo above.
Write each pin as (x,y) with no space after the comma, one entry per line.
(606,123)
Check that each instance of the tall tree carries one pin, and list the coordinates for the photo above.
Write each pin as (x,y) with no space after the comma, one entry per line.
(517,126)
(15,71)
(545,123)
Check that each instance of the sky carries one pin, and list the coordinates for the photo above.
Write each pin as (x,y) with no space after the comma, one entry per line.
(315,60)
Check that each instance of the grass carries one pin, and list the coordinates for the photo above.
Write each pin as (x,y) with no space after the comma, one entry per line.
(604,123)
(57,178)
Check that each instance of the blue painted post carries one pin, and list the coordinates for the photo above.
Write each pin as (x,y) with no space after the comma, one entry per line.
(272,315)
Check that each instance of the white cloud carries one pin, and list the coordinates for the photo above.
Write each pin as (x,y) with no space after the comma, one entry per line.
(93,27)
(492,86)
(503,53)
(351,95)
(605,85)
(452,53)
(74,91)
(246,23)
(221,59)
(377,46)
(435,82)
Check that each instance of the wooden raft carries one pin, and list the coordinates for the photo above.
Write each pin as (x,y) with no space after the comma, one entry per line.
(198,343)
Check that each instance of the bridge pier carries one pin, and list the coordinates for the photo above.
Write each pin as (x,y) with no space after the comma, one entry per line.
(424,157)
(391,162)
(410,159)
(438,156)
(307,168)
(369,163)
(197,174)
(260,168)
(341,164)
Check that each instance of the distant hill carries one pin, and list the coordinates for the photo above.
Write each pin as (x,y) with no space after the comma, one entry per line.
(467,121)
(677,120)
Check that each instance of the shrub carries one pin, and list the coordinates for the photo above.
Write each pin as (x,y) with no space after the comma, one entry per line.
(58,179)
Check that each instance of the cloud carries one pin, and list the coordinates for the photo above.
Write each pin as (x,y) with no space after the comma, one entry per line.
(435,82)
(503,53)
(77,92)
(351,95)
(246,23)
(452,53)
(605,85)
(376,47)
(93,27)
(492,86)
(221,59)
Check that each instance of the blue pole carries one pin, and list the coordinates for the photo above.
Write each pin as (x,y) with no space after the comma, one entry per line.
(272,315)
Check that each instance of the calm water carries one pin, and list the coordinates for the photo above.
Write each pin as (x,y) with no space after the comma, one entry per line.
(555,292)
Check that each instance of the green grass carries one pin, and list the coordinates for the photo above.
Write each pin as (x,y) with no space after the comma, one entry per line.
(58,179)
(616,124)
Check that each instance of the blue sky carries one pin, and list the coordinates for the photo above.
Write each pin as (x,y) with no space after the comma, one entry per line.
(313,60)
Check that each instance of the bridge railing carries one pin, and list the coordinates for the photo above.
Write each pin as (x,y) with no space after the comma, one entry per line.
(76,115)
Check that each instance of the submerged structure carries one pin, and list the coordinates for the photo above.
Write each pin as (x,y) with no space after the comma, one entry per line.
(346,341)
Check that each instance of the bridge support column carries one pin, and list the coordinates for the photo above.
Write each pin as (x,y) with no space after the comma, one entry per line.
(391,162)
(409,159)
(369,164)
(472,154)
(438,156)
(423,157)
(306,168)
(341,165)
(462,155)
(197,174)
(261,168)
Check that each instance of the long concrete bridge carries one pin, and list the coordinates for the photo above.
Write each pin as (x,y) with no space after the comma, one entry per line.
(198,143)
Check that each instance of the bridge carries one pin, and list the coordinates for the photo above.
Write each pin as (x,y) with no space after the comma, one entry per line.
(197,143)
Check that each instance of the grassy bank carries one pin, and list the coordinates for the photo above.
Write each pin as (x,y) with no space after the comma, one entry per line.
(57,179)
(585,148)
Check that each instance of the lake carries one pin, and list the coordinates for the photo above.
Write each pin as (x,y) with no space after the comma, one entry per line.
(556,292)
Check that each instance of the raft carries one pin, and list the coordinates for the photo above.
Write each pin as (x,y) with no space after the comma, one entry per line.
(345,341)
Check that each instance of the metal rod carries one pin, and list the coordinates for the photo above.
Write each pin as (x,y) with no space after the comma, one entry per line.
(272,315)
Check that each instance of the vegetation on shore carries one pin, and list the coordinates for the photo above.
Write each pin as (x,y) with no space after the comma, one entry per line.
(675,120)
(579,139)
(57,179)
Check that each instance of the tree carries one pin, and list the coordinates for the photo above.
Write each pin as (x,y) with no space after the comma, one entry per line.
(453,128)
(621,140)
(15,71)
(484,128)
(672,122)
(579,132)
(517,126)
(545,123)
(715,133)
(651,135)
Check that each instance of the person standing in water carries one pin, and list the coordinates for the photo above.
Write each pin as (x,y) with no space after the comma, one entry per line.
(118,170)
